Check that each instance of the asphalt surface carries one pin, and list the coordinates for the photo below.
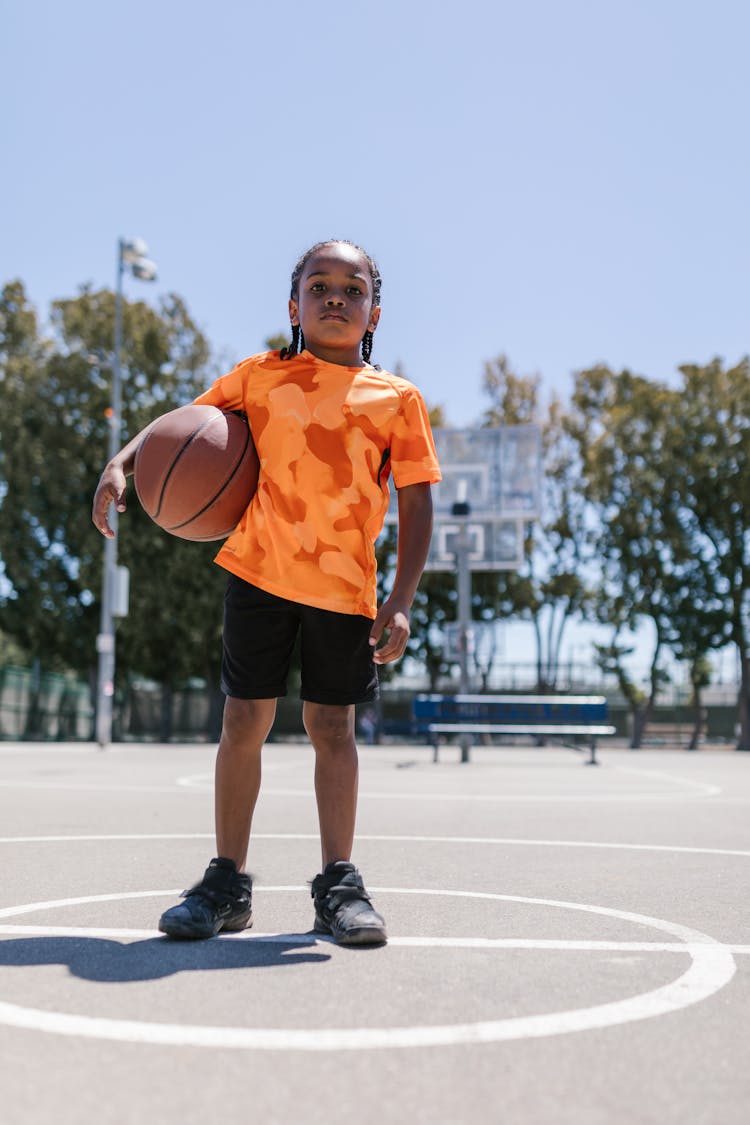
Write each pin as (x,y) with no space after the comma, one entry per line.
(569,944)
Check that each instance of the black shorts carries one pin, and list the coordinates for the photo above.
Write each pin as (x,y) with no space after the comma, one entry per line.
(260,631)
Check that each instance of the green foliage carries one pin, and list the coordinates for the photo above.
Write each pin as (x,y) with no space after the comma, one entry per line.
(514,398)
(436,414)
(622,430)
(278,341)
(612,661)
(10,651)
(712,495)
(637,466)
(54,395)
(632,436)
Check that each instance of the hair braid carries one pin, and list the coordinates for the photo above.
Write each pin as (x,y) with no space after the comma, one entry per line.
(287,353)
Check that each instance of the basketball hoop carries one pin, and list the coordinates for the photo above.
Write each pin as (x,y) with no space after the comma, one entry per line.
(496,471)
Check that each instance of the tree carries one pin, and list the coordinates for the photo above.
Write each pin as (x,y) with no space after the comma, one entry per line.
(713,493)
(620,432)
(54,398)
(630,433)
(24,459)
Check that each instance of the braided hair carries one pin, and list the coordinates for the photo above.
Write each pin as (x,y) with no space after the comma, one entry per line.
(298,339)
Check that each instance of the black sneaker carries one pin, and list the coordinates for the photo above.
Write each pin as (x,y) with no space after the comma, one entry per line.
(221,901)
(343,907)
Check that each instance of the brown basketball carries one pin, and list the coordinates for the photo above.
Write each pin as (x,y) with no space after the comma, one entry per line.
(196,471)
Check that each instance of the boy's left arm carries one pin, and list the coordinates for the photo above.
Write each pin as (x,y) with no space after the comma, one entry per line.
(414,533)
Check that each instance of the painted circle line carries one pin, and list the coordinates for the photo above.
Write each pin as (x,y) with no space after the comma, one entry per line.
(373,837)
(712,966)
(200,783)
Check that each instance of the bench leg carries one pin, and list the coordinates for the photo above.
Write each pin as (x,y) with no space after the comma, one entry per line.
(592,759)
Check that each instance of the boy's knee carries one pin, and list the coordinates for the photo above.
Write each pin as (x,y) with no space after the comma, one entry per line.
(248,720)
(329,726)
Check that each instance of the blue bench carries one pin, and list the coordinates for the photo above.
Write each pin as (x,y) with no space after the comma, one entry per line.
(573,718)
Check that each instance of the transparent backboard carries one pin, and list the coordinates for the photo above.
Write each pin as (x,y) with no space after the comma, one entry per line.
(498,472)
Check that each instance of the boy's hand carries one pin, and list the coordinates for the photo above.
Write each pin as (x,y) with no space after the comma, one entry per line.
(111,489)
(395,619)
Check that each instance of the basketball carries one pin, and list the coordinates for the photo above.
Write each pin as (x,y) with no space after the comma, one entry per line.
(196,471)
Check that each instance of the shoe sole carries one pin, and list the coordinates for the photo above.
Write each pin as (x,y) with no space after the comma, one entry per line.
(364,935)
(190,933)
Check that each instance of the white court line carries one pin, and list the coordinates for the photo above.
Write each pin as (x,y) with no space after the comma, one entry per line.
(52,904)
(701,786)
(697,789)
(206,780)
(506,798)
(373,838)
(190,784)
(712,967)
(88,787)
(199,780)
(550,944)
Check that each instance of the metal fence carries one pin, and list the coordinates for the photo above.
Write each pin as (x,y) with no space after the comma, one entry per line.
(44,705)
(40,706)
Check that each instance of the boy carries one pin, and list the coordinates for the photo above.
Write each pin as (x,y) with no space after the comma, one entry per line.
(329,428)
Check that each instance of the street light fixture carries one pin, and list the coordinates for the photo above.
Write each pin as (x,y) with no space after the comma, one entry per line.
(131,253)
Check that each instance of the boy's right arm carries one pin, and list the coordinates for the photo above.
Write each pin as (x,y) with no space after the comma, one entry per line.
(113,483)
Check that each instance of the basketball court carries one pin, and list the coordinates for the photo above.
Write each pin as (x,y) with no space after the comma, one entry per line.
(567,944)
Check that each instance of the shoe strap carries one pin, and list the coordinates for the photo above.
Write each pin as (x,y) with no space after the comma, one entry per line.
(220,886)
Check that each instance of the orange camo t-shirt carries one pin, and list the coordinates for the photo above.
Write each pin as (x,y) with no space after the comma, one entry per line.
(328,438)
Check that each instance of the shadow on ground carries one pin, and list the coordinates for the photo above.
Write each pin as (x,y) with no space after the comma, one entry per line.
(99,959)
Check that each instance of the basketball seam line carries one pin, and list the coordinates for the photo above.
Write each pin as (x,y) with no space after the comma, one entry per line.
(227,481)
(172,467)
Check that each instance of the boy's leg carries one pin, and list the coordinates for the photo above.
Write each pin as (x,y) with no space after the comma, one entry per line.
(222,900)
(331,731)
(258,638)
(246,725)
(343,907)
(337,672)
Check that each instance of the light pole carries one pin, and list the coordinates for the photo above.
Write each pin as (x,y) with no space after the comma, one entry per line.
(462,510)
(131,253)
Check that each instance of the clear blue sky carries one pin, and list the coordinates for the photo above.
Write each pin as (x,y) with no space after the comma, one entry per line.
(566,183)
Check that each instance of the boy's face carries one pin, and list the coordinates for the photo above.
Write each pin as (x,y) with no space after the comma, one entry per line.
(334,304)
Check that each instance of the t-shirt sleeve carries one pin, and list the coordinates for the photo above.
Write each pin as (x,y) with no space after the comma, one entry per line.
(227,392)
(413,456)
